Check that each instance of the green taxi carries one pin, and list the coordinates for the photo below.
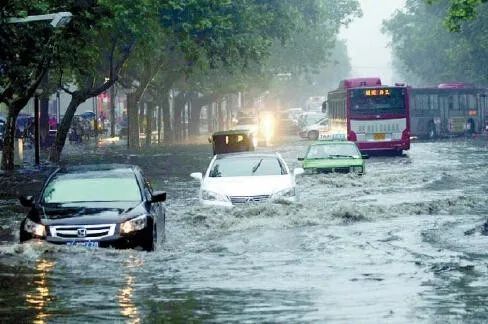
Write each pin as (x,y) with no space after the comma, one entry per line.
(333,156)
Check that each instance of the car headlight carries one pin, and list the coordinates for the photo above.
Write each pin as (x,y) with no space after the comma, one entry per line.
(135,224)
(358,169)
(214,196)
(287,193)
(35,229)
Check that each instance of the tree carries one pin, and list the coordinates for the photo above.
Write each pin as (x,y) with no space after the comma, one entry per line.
(424,48)
(460,11)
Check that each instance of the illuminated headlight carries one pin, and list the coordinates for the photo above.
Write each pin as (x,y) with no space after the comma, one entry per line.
(135,224)
(287,193)
(213,196)
(357,169)
(34,228)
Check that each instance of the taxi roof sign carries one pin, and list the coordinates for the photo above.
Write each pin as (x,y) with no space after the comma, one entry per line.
(332,137)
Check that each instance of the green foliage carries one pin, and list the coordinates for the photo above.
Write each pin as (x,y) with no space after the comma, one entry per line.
(459,12)
(425,48)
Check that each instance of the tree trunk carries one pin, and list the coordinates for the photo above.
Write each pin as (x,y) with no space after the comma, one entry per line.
(159,123)
(133,121)
(210,118)
(149,122)
(142,106)
(8,141)
(168,134)
(112,111)
(77,99)
(195,119)
(179,105)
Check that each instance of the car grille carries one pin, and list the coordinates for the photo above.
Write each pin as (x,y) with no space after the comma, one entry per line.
(248,199)
(82,232)
(336,170)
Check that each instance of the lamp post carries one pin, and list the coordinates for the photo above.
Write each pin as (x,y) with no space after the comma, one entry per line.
(37,138)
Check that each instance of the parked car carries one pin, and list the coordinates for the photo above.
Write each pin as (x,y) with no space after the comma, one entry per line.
(242,178)
(96,206)
(333,156)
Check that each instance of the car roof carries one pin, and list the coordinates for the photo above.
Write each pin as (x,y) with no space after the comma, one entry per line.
(98,167)
(247,154)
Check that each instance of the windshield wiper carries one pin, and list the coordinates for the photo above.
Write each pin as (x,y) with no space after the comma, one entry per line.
(341,156)
(256,167)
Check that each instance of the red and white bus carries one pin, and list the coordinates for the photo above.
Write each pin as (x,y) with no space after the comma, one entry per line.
(374,116)
(448,109)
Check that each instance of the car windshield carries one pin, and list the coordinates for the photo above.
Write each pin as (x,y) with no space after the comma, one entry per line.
(247,166)
(324,151)
(313,119)
(378,101)
(100,186)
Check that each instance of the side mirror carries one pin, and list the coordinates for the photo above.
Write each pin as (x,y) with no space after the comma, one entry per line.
(158,196)
(298,171)
(301,158)
(364,156)
(197,176)
(26,201)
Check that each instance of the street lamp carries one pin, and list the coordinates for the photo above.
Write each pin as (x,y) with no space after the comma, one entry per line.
(58,19)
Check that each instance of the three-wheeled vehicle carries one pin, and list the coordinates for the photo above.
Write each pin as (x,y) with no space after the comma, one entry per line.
(232,141)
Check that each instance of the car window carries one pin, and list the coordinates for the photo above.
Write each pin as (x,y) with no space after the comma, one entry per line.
(332,150)
(67,188)
(247,166)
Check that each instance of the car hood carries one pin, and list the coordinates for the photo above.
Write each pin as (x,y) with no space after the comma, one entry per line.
(68,214)
(248,186)
(332,163)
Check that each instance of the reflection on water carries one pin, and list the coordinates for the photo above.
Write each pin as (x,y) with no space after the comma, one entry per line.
(126,301)
(126,294)
(39,299)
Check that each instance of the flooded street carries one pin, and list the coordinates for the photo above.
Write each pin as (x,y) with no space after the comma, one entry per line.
(405,242)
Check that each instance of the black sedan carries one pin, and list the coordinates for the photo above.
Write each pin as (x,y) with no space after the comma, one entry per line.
(96,206)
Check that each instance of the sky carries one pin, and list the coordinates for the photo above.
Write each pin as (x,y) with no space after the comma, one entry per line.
(367,45)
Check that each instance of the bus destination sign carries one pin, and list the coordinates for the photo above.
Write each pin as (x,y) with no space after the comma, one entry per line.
(376,92)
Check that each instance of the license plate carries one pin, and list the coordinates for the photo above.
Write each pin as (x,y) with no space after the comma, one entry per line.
(379,136)
(88,244)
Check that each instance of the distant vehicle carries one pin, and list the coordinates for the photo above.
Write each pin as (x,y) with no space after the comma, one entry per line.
(313,131)
(448,109)
(294,113)
(232,141)
(243,178)
(250,123)
(314,104)
(374,116)
(96,206)
(333,156)
(309,118)
(285,125)
(2,132)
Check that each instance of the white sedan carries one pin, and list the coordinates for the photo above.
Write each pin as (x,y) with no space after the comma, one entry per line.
(240,178)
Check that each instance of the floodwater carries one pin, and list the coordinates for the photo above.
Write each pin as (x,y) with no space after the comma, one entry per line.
(403,243)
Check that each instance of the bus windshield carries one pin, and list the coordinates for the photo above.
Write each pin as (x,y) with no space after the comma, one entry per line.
(377,101)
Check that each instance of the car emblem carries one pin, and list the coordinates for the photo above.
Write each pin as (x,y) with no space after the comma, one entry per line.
(81,232)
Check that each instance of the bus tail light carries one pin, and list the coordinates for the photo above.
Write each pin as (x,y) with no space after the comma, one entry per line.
(351,136)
